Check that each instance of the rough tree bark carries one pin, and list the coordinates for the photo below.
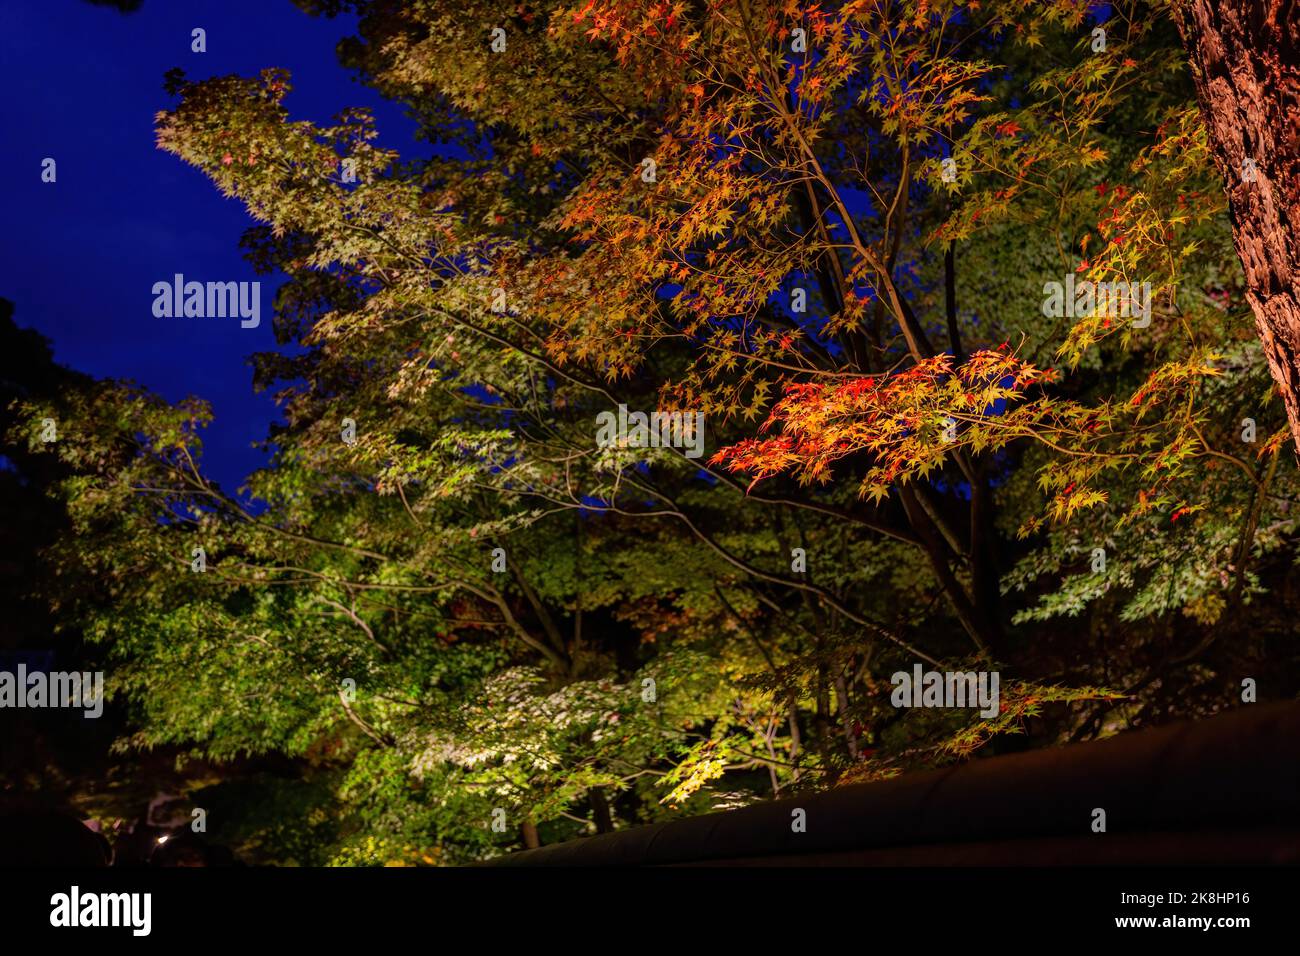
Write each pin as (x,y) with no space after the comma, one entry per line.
(1245,60)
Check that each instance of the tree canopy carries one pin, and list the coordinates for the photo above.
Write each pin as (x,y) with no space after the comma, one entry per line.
(850,235)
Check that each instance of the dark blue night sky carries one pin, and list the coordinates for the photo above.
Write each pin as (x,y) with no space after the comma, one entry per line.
(81,84)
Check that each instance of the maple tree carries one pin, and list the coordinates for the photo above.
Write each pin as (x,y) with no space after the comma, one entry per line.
(829,227)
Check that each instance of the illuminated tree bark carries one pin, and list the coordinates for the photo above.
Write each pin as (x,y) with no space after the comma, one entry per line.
(1245,57)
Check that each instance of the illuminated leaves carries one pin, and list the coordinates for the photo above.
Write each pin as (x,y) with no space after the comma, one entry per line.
(908,422)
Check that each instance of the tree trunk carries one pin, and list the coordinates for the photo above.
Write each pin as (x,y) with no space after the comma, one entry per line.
(795,740)
(531,840)
(1245,58)
(603,819)
(846,723)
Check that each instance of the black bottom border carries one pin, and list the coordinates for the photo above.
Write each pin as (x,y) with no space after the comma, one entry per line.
(866,904)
